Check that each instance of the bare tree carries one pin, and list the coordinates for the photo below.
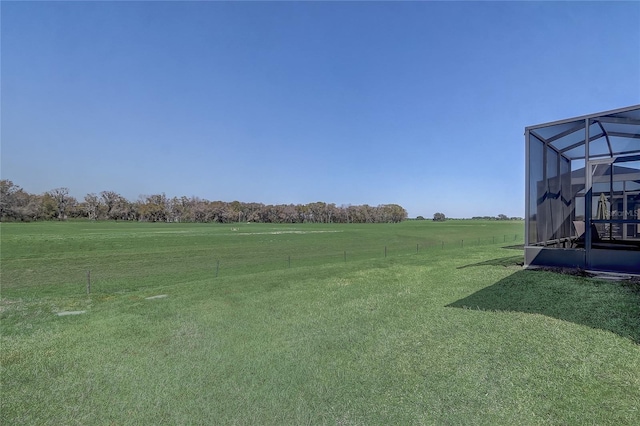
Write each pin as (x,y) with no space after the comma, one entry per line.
(92,205)
(61,199)
(110,199)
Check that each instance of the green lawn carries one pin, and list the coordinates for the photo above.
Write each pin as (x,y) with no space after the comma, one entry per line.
(458,334)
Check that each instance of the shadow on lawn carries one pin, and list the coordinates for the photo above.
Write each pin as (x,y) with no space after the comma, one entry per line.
(503,261)
(612,306)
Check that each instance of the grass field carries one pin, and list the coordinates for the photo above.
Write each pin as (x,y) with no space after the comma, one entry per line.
(307,324)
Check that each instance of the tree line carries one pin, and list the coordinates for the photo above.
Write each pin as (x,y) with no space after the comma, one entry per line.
(18,205)
(499,217)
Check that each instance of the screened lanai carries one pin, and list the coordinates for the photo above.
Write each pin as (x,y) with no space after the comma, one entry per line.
(583,192)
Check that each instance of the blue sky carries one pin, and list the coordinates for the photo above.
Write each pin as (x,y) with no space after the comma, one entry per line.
(419,104)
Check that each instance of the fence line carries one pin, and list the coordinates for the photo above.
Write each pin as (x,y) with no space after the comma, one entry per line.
(139,274)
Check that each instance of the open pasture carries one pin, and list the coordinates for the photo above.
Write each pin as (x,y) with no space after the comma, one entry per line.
(429,334)
(54,257)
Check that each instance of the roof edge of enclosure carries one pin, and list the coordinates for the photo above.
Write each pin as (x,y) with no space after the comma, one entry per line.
(582,195)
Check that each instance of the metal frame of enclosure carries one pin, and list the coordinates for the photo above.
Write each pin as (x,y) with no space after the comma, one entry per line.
(583,192)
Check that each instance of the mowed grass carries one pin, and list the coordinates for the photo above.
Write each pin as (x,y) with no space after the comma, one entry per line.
(453,335)
(54,257)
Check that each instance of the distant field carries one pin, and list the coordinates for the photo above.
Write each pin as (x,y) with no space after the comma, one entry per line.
(54,257)
(291,331)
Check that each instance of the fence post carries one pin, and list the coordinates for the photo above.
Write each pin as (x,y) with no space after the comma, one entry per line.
(461,243)
(88,282)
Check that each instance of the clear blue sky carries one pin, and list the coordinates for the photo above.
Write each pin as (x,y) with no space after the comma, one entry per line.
(419,104)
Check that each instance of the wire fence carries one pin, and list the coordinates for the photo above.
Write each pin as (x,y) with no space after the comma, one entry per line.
(123,272)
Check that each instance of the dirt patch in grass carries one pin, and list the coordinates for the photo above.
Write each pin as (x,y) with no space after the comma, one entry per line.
(67,313)
(159,296)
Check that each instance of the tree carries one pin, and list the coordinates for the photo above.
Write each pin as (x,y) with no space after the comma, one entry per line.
(26,206)
(317,212)
(92,206)
(111,199)
(8,192)
(180,209)
(154,208)
(47,208)
(61,198)
(117,207)
(288,213)
(439,217)
(16,203)
(390,213)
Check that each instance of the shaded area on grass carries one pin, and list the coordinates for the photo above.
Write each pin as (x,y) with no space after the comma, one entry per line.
(515,247)
(502,261)
(612,306)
